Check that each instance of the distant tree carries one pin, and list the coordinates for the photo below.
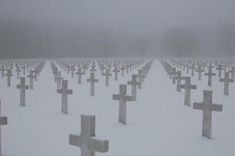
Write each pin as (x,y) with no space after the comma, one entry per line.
(226,39)
(180,42)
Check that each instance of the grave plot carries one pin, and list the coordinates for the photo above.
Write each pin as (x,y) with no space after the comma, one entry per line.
(137,106)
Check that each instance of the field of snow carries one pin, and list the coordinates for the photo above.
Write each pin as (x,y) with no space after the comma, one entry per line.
(157,124)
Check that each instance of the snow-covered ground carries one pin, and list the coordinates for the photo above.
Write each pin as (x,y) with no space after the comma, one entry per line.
(157,124)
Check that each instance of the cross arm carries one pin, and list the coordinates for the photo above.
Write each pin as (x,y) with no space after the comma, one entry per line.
(129,98)
(198,106)
(3,120)
(98,145)
(216,107)
(115,97)
(75,140)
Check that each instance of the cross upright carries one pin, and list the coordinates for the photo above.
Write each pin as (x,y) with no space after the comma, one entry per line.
(92,81)
(187,87)
(72,68)
(219,68)
(93,70)
(84,67)
(134,83)
(192,67)
(210,74)
(8,75)
(22,87)
(123,67)
(24,68)
(80,73)
(18,71)
(107,74)
(172,72)
(87,140)
(122,98)
(64,91)
(116,71)
(31,76)
(232,71)
(207,107)
(226,81)
(199,70)
(102,67)
(178,79)
(3,121)
(2,69)
(141,76)
(58,79)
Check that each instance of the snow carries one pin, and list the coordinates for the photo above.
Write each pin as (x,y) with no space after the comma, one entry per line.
(157,124)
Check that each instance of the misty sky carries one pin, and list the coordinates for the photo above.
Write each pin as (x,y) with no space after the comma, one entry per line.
(130,15)
(43,27)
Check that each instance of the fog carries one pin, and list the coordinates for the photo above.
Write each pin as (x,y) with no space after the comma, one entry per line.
(106,28)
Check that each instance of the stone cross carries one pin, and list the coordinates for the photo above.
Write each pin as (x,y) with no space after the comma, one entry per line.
(178,79)
(187,87)
(92,81)
(18,71)
(226,81)
(220,68)
(122,98)
(58,79)
(2,69)
(22,87)
(107,74)
(64,91)
(24,68)
(8,75)
(72,68)
(31,76)
(141,76)
(87,141)
(232,71)
(199,70)
(207,107)
(80,73)
(122,69)
(3,121)
(210,74)
(116,71)
(134,83)
(93,70)
(192,69)
(84,67)
(172,72)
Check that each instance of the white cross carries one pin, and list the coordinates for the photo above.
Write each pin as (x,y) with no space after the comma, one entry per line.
(187,87)
(226,81)
(31,76)
(9,75)
(92,81)
(207,107)
(134,83)
(122,98)
(107,74)
(87,141)
(64,91)
(210,74)
(22,88)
